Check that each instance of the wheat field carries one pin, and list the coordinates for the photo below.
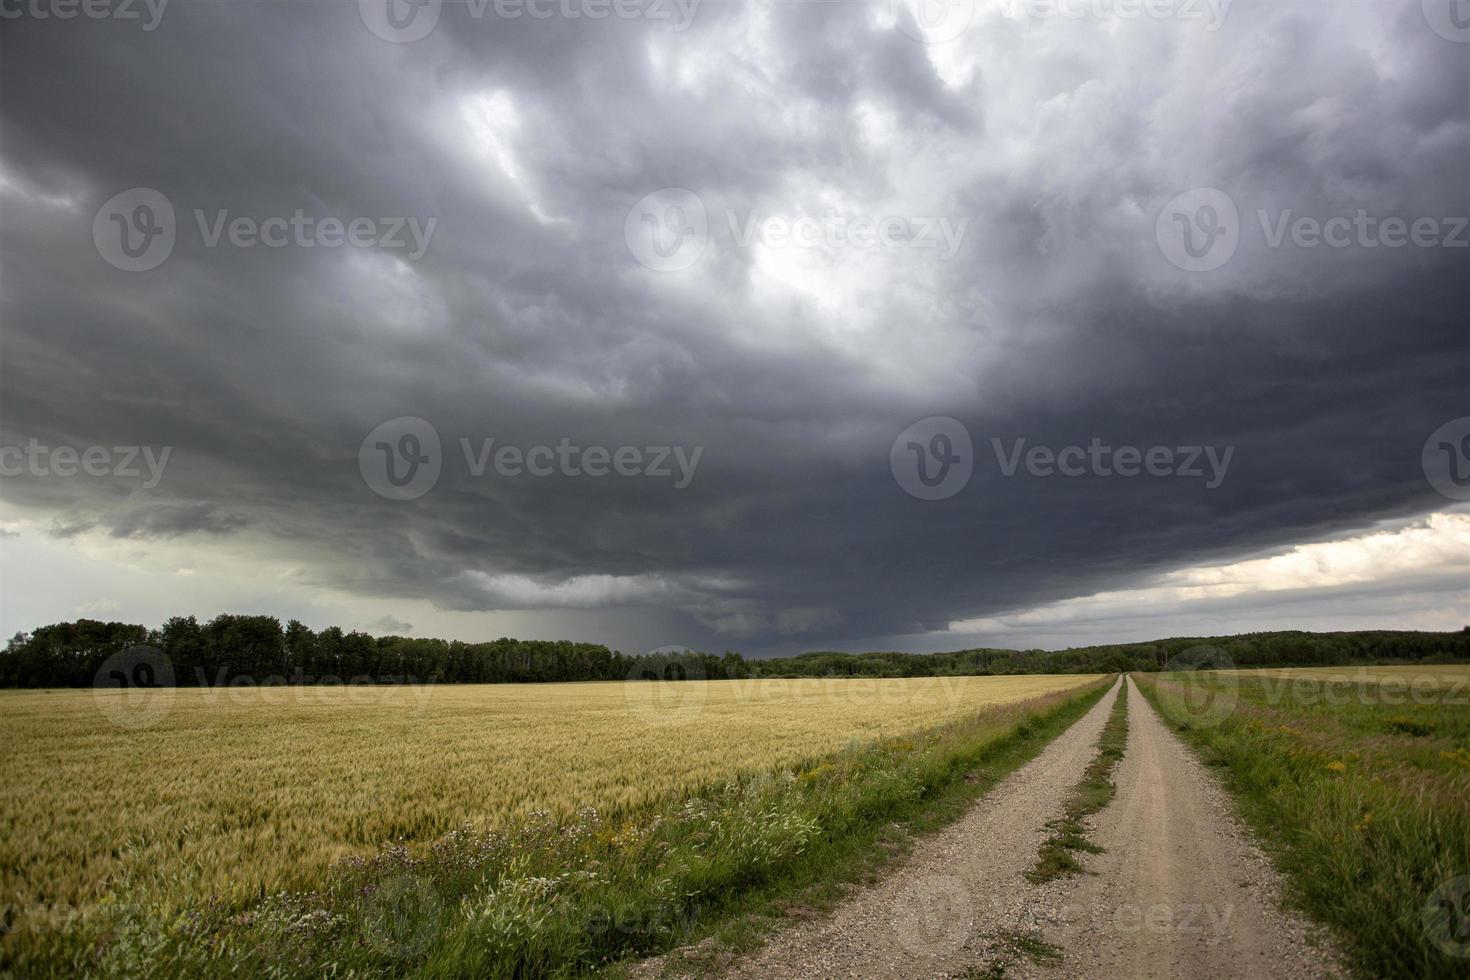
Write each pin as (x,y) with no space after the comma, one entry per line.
(232,792)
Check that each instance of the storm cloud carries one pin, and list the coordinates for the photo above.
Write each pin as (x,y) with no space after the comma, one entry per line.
(777,233)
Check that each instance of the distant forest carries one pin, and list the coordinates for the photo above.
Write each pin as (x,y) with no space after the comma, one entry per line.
(245,649)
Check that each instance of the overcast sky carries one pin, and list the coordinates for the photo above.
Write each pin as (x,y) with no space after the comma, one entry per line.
(828,288)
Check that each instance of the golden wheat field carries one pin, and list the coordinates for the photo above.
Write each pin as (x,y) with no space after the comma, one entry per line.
(230,791)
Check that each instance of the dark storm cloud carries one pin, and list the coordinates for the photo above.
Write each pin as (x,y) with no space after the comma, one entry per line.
(173,520)
(528,320)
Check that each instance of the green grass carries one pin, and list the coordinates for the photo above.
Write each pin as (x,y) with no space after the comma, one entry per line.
(1013,945)
(569,898)
(1361,800)
(1057,856)
(1032,947)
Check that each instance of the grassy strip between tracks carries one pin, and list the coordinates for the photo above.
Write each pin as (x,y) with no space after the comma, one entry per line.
(1058,854)
(1360,797)
(567,898)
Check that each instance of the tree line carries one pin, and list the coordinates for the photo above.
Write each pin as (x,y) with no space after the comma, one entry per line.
(1291,648)
(258,649)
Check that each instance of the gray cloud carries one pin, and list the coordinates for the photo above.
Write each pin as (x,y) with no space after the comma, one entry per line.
(528,319)
(170,520)
(390,625)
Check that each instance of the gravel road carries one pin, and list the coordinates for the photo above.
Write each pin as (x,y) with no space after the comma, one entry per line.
(1181,890)
(928,916)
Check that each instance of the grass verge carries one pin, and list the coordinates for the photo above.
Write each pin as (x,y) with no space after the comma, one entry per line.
(566,898)
(1358,796)
(1057,855)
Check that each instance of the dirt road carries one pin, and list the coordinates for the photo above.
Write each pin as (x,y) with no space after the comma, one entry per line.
(919,920)
(1180,891)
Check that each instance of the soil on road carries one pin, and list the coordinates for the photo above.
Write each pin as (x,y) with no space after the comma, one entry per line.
(1181,890)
